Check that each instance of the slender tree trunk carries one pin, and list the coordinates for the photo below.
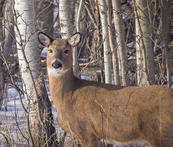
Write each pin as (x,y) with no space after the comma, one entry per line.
(1,85)
(79,15)
(113,50)
(9,29)
(83,46)
(66,25)
(9,42)
(1,63)
(144,49)
(105,38)
(27,46)
(98,40)
(65,19)
(120,38)
(1,16)
(96,51)
(165,34)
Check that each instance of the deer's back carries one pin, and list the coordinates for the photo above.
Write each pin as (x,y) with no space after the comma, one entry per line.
(123,108)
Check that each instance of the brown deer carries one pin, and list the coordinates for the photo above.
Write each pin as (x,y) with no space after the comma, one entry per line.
(129,114)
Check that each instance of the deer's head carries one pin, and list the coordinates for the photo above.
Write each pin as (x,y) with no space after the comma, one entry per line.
(59,52)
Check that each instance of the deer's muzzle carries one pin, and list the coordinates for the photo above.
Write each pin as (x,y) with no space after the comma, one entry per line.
(56,64)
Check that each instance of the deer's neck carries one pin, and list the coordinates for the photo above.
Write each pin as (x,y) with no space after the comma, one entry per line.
(61,85)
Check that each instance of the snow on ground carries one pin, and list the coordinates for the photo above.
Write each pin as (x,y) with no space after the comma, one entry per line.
(13,121)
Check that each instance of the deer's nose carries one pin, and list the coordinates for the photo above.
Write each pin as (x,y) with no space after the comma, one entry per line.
(56,64)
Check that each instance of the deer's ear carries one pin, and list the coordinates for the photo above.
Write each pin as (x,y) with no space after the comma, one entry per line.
(44,39)
(75,39)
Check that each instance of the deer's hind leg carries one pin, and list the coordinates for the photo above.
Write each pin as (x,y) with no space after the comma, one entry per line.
(163,138)
(167,138)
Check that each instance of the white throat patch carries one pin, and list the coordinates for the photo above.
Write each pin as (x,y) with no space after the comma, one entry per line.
(55,72)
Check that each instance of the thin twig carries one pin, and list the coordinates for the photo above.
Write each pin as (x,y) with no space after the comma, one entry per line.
(19,127)
(44,9)
(101,111)
(5,138)
(91,15)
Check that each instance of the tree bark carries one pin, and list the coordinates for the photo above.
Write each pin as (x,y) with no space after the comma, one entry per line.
(66,25)
(79,15)
(165,34)
(113,49)
(27,47)
(65,19)
(76,69)
(1,63)
(144,49)
(120,38)
(105,38)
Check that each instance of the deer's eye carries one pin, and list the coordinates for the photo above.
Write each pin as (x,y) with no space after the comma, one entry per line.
(50,50)
(66,51)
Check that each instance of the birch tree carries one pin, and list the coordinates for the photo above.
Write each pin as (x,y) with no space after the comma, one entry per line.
(32,78)
(78,23)
(113,49)
(67,28)
(66,31)
(105,38)
(144,49)
(65,19)
(79,15)
(120,39)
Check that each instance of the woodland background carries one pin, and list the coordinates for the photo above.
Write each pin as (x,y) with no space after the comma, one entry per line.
(124,42)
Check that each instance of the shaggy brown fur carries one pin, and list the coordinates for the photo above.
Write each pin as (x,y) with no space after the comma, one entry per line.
(129,113)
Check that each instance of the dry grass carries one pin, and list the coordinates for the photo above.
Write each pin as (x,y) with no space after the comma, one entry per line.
(13,128)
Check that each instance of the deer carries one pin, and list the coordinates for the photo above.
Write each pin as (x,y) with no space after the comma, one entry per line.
(93,111)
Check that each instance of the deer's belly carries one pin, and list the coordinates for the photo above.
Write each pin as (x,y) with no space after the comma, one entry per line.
(133,142)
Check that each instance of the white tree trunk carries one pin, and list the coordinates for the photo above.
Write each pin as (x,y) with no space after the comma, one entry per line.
(65,18)
(79,15)
(105,38)
(113,50)
(118,22)
(67,28)
(144,49)
(26,37)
